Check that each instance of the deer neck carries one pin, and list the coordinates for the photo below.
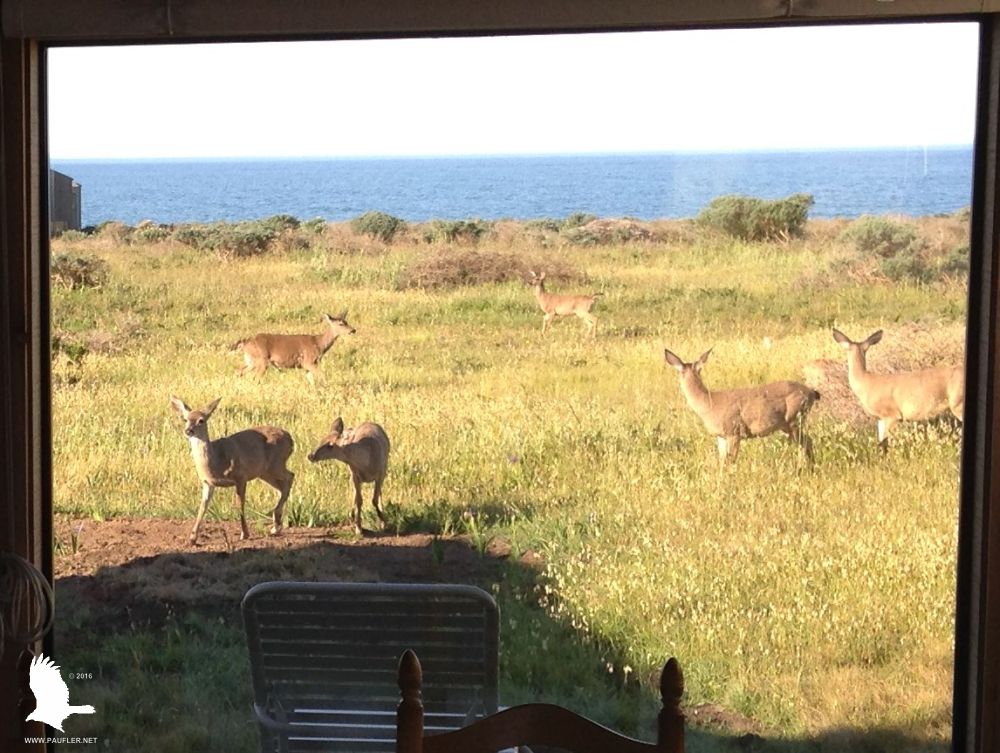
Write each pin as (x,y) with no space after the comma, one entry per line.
(698,396)
(540,290)
(204,452)
(857,367)
(326,339)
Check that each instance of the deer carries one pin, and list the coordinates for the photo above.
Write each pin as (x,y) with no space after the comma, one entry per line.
(365,450)
(738,414)
(260,452)
(554,305)
(904,396)
(292,351)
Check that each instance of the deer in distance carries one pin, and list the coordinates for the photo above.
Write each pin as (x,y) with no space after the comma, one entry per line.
(292,351)
(260,452)
(904,396)
(554,304)
(734,415)
(365,450)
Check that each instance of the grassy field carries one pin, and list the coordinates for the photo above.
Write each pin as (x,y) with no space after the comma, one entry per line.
(817,602)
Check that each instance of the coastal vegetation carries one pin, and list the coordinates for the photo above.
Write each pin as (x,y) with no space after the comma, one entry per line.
(811,608)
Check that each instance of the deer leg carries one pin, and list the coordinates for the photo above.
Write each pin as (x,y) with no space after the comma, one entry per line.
(241,495)
(796,435)
(723,445)
(311,373)
(546,320)
(377,500)
(591,321)
(206,497)
(284,485)
(357,503)
(884,425)
(734,448)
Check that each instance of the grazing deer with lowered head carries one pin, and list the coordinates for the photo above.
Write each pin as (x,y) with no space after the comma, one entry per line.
(365,450)
(555,305)
(908,395)
(734,415)
(260,452)
(292,351)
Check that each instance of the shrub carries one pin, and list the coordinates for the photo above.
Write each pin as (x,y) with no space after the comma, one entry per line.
(77,271)
(877,235)
(450,268)
(114,230)
(315,226)
(754,219)
(956,262)
(227,239)
(71,236)
(603,232)
(150,232)
(453,231)
(379,225)
(577,219)
(280,222)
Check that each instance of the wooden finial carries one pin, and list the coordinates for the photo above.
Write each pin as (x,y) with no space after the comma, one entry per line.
(671,718)
(410,712)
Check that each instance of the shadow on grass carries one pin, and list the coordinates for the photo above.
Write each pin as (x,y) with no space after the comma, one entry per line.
(160,642)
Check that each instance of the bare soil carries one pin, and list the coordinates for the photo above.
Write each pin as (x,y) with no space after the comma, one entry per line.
(144,569)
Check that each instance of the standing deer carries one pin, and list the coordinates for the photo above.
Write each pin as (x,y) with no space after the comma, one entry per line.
(292,351)
(555,305)
(734,415)
(260,452)
(908,395)
(365,450)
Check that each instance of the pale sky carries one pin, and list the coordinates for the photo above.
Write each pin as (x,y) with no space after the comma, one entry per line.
(712,90)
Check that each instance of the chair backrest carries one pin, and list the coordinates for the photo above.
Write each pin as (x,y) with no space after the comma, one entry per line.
(323,660)
(533,723)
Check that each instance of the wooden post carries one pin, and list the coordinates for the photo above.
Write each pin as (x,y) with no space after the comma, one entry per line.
(670,723)
(410,712)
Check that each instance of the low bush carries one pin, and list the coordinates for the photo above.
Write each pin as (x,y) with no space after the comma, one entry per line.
(752,219)
(315,226)
(457,231)
(606,232)
(465,267)
(378,225)
(78,271)
(150,232)
(881,236)
(228,240)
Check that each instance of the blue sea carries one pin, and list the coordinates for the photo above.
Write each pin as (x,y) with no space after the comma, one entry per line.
(644,186)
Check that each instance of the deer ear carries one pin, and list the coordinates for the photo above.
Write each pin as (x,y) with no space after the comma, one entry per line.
(673,360)
(212,406)
(701,361)
(840,337)
(338,426)
(180,406)
(873,338)
(342,316)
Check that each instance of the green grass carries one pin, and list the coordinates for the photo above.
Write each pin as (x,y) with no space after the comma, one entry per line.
(809,600)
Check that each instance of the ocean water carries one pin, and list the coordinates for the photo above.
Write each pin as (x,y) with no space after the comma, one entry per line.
(644,186)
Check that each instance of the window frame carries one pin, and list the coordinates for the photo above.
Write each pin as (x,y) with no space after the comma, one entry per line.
(25,389)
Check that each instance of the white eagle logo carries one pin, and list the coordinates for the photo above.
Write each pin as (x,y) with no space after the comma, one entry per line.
(51,694)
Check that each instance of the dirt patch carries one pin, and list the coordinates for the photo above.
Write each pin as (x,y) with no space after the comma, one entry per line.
(138,570)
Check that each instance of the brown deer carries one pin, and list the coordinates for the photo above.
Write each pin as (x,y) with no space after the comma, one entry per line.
(554,305)
(260,452)
(908,395)
(734,415)
(292,351)
(365,450)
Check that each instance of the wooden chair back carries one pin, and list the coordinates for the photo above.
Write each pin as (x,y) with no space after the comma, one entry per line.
(539,724)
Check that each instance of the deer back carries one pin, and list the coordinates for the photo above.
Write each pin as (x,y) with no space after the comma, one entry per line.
(249,454)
